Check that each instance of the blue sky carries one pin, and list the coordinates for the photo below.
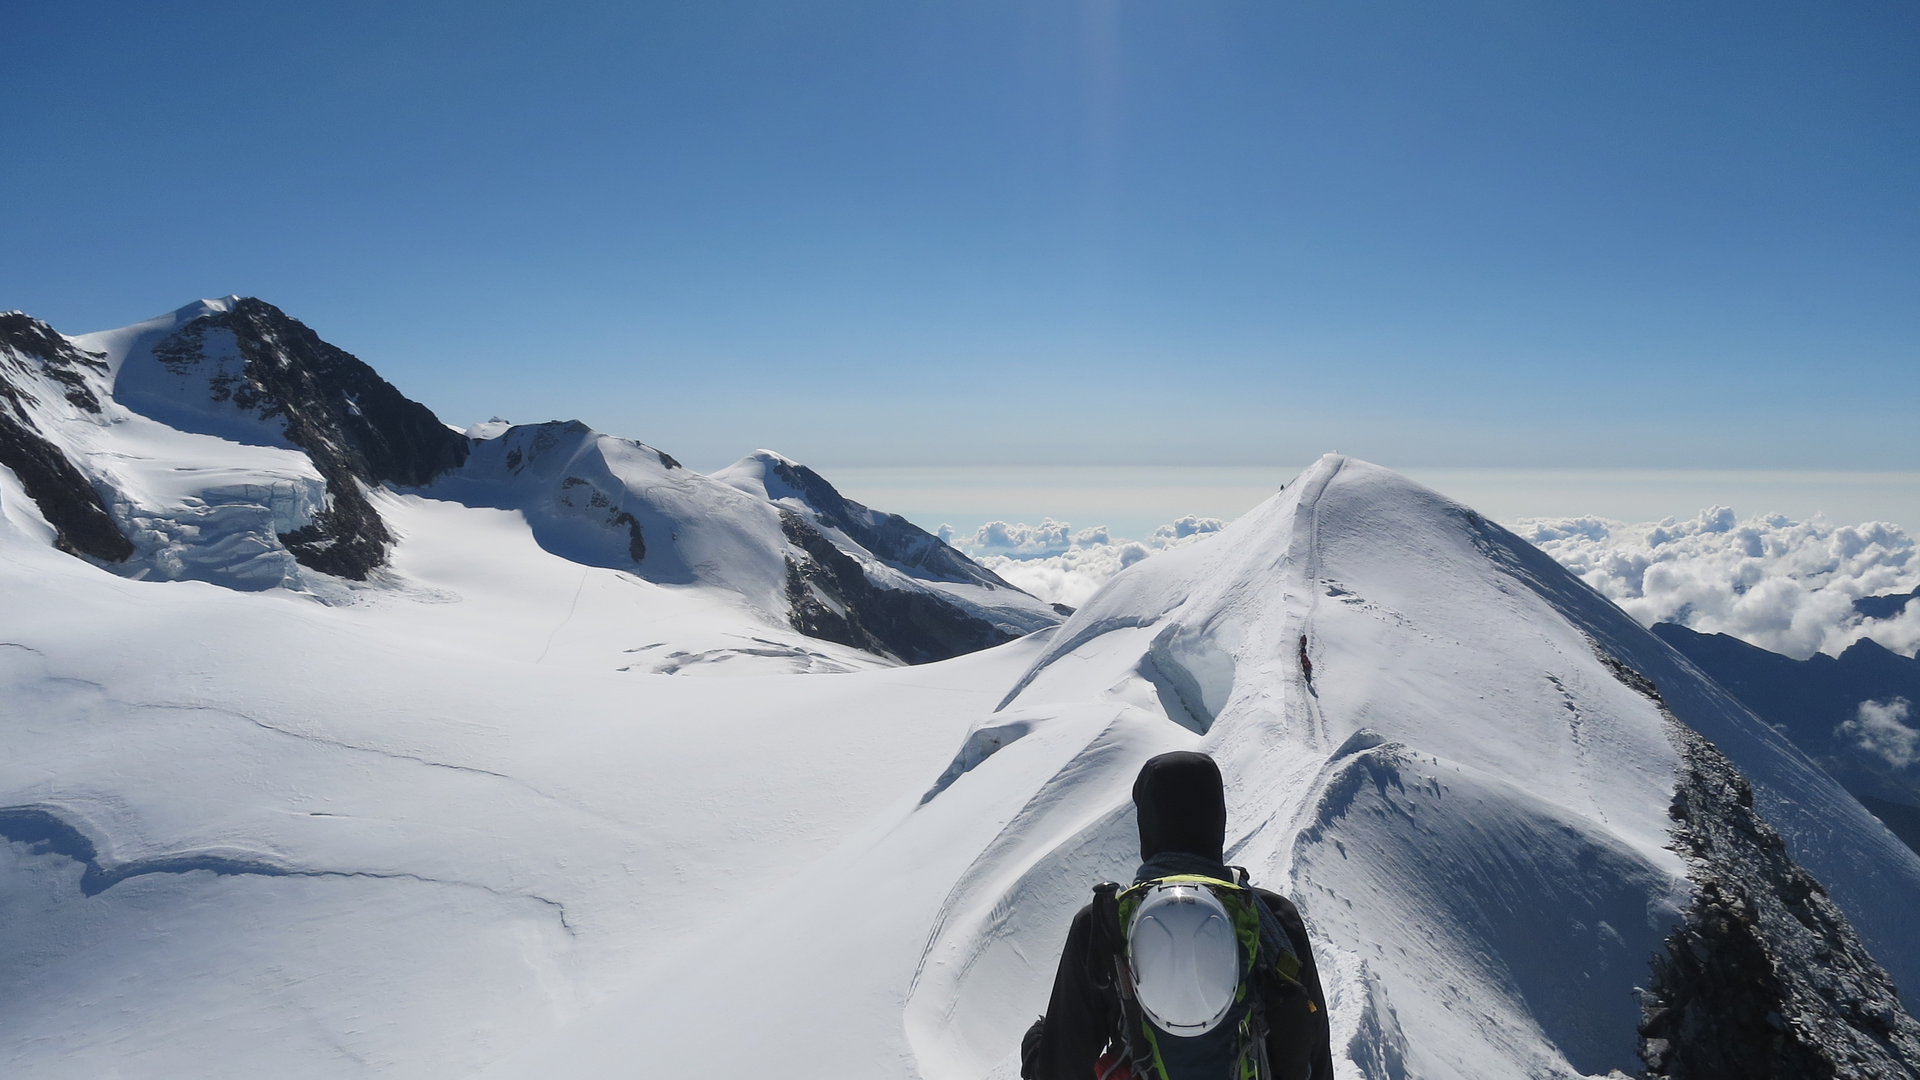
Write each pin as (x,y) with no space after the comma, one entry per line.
(1622,234)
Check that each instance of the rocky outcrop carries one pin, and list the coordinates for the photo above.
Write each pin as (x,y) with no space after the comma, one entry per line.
(303,431)
(358,429)
(32,352)
(1764,978)
(591,500)
(832,599)
(56,359)
(891,538)
(1811,701)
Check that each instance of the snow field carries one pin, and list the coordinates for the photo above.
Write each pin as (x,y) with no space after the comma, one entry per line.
(456,841)
(1410,975)
(461,820)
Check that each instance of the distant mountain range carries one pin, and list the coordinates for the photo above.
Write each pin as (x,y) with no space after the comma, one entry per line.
(339,742)
(1816,703)
(227,442)
(1885,607)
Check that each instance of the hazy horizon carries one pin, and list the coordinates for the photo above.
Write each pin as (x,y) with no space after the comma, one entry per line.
(1133,500)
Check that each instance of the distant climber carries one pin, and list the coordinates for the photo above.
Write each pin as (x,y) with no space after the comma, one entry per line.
(1190,973)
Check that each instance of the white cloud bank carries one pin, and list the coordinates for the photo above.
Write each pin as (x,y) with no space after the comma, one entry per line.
(1781,584)
(1061,566)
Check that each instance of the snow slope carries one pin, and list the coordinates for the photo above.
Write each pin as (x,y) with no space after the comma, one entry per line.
(1467,798)
(460,819)
(602,501)
(1467,803)
(396,837)
(231,444)
(892,551)
(194,506)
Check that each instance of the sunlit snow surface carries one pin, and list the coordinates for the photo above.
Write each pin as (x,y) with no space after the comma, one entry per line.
(462,821)
(1785,585)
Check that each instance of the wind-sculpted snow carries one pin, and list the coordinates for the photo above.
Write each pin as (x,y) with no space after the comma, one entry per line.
(504,809)
(1871,873)
(602,501)
(891,538)
(1485,886)
(226,442)
(1554,746)
(1503,914)
(42,831)
(1794,587)
(405,835)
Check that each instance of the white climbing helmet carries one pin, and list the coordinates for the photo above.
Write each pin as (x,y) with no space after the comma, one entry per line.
(1184,957)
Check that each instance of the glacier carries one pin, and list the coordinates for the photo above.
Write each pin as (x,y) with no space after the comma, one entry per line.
(677,774)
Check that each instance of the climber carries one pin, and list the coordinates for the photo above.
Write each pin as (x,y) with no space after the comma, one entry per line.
(1190,973)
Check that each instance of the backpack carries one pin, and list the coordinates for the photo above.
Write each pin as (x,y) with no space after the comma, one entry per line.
(1236,1048)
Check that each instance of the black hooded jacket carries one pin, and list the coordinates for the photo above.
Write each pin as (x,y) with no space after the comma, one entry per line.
(1183,822)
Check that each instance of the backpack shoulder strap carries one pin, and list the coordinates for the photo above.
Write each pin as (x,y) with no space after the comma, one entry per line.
(1277,956)
(1107,963)
(1108,940)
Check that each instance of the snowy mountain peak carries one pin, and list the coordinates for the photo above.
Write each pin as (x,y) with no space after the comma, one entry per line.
(900,544)
(37,353)
(1459,760)
(218,306)
(48,383)
(240,369)
(603,501)
(487,803)
(227,442)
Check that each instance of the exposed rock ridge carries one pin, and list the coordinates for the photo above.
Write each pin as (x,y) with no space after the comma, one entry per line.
(832,599)
(58,359)
(357,428)
(1810,702)
(1888,606)
(891,538)
(32,350)
(1764,978)
(595,499)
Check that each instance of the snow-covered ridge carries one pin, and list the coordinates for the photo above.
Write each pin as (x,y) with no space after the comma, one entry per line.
(227,442)
(241,825)
(48,383)
(1437,736)
(889,537)
(1793,587)
(467,801)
